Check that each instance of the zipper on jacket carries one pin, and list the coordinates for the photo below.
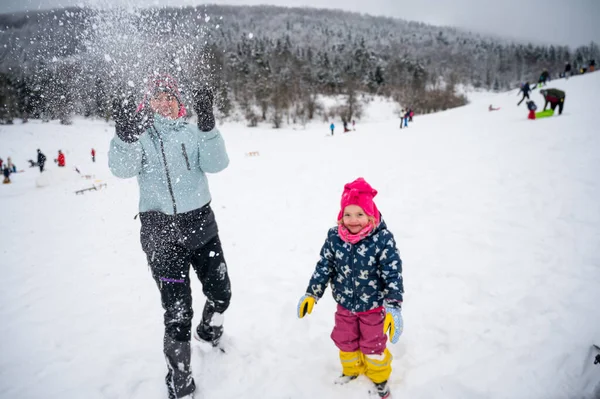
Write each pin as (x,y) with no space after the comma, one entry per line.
(187,161)
(354,279)
(162,150)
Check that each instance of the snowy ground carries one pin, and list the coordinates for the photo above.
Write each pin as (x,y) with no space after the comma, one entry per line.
(496,216)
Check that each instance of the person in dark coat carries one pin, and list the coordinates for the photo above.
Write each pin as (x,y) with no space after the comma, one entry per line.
(555,98)
(346,130)
(544,78)
(567,69)
(6,173)
(41,160)
(525,89)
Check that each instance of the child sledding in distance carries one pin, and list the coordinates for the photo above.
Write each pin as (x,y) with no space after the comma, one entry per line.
(532,108)
(536,115)
(362,264)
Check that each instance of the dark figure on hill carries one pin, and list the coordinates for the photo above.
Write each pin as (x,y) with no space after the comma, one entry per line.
(6,173)
(525,89)
(555,98)
(544,78)
(41,160)
(567,70)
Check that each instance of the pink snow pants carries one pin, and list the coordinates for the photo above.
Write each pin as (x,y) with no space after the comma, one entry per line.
(359,331)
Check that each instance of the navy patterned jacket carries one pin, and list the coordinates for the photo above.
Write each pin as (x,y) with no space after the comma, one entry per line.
(361,275)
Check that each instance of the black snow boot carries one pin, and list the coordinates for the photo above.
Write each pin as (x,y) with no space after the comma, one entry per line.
(383,390)
(210,328)
(207,333)
(171,390)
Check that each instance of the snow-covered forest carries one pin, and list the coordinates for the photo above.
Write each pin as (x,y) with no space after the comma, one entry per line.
(268,63)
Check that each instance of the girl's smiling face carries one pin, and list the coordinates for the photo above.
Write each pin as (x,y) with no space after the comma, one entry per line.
(165,104)
(355,219)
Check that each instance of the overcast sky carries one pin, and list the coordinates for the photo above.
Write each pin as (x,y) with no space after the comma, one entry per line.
(571,22)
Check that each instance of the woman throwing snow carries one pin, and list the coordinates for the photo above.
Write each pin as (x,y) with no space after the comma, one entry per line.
(170,157)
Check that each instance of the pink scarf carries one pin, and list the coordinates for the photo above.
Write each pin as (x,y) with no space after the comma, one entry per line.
(347,236)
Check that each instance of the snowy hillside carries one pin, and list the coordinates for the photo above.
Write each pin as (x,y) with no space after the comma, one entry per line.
(496,218)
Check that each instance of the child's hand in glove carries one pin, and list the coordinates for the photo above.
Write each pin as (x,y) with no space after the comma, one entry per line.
(393,323)
(305,305)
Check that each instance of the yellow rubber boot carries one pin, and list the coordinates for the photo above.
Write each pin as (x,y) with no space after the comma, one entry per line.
(378,367)
(352,363)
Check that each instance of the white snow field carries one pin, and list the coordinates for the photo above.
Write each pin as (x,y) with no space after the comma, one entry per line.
(497,219)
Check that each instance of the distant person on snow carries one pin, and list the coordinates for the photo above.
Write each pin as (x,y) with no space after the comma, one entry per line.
(41,160)
(532,108)
(332,127)
(346,130)
(410,115)
(402,113)
(592,65)
(362,264)
(60,160)
(544,78)
(10,165)
(555,98)
(1,162)
(93,155)
(525,89)
(6,173)
(170,159)
(353,124)
(567,69)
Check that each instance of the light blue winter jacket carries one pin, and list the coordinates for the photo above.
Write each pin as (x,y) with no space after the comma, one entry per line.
(170,161)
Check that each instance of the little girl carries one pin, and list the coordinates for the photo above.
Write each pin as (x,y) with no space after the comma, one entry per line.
(361,262)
